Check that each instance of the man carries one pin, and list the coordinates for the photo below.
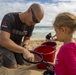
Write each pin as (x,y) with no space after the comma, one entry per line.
(13,27)
(49,37)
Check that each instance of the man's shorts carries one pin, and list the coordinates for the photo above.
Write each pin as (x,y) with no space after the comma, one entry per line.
(10,58)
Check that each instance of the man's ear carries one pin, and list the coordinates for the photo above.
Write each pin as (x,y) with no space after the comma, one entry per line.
(29,10)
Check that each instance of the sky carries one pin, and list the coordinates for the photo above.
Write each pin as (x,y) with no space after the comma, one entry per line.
(51,8)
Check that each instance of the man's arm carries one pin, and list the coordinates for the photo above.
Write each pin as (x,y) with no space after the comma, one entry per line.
(6,42)
(26,40)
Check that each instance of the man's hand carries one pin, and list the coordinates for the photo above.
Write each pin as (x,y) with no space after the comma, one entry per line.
(29,56)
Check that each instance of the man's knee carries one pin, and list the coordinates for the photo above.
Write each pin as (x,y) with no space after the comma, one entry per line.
(13,67)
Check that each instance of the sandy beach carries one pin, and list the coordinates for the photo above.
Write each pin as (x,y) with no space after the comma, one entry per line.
(28,69)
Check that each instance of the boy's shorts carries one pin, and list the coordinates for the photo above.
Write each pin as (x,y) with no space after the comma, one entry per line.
(10,58)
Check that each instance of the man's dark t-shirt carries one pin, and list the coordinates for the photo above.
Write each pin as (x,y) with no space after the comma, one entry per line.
(11,23)
(48,37)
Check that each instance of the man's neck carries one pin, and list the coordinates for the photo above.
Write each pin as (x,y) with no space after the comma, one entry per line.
(22,17)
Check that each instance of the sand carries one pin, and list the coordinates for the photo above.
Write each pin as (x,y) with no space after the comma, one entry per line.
(28,69)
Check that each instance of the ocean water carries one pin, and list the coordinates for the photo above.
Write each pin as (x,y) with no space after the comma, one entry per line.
(42,31)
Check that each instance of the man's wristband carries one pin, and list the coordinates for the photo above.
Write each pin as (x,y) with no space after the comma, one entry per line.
(23,45)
